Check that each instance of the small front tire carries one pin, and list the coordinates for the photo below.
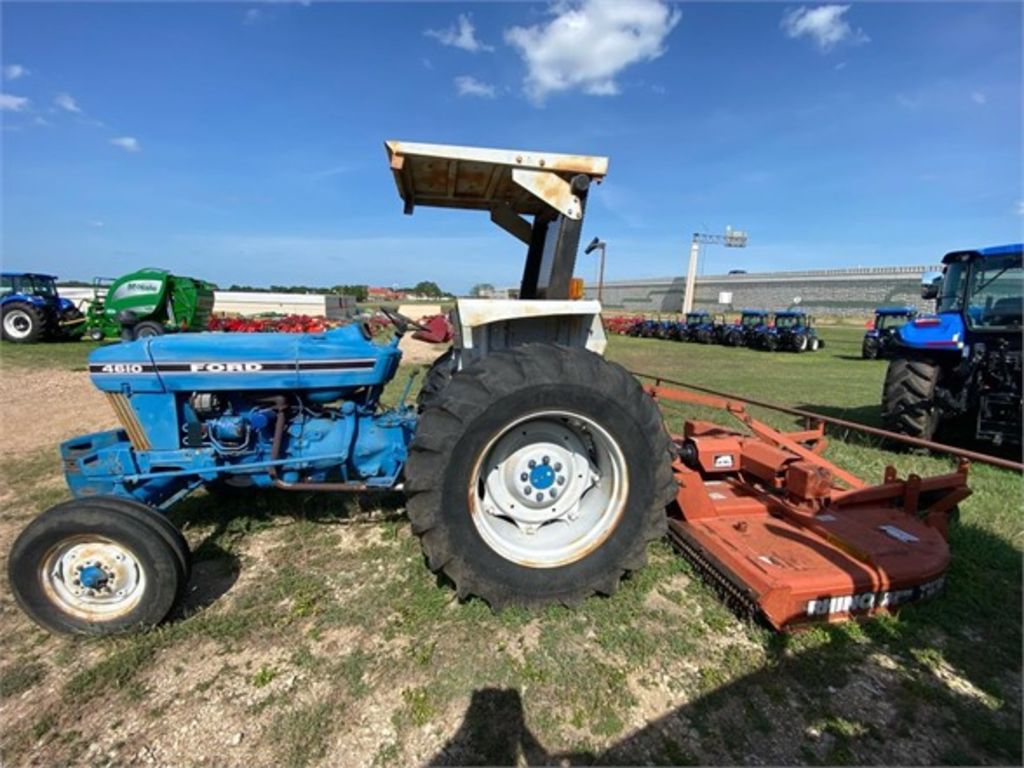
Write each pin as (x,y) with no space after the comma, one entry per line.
(93,567)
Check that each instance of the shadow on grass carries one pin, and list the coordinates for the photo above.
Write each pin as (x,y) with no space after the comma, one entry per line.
(938,684)
(233,514)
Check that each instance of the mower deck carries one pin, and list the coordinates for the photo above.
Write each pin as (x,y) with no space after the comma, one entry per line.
(791,538)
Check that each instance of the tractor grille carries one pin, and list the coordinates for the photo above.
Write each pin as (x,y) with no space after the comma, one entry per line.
(130,422)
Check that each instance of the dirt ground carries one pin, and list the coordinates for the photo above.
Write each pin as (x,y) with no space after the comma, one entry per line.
(312,634)
(47,405)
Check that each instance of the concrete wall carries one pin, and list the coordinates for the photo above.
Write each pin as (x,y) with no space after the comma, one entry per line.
(837,292)
(256,303)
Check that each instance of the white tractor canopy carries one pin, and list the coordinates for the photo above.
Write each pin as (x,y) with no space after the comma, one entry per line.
(510,184)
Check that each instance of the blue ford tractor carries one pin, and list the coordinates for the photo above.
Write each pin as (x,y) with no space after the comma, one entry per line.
(879,339)
(699,327)
(32,309)
(743,333)
(959,370)
(535,471)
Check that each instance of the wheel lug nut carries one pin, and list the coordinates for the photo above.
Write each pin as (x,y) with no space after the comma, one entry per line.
(540,497)
(558,466)
(524,477)
(560,480)
(527,490)
(531,463)
(546,459)
(553,493)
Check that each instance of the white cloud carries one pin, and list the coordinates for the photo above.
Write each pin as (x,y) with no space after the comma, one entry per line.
(127,143)
(979,98)
(14,71)
(589,42)
(467,85)
(12,103)
(461,36)
(67,102)
(1020,207)
(824,25)
(252,16)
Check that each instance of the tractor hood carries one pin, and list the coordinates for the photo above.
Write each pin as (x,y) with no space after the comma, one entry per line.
(944,331)
(339,359)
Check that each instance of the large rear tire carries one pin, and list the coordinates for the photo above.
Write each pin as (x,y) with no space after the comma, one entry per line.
(436,379)
(23,323)
(908,397)
(596,460)
(92,566)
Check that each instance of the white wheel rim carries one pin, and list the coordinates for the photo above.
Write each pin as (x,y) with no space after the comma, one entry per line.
(573,496)
(93,578)
(17,323)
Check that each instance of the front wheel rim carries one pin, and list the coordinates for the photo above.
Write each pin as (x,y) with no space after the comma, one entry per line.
(549,489)
(93,578)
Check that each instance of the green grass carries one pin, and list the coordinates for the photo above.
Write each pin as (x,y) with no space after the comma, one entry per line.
(322,625)
(69,355)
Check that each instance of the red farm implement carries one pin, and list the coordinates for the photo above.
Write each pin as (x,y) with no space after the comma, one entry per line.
(791,538)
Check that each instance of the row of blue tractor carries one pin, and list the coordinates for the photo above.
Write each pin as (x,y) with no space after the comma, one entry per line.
(785,330)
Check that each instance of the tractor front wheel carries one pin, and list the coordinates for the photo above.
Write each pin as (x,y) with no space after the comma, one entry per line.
(869,349)
(800,342)
(23,323)
(908,397)
(539,476)
(97,566)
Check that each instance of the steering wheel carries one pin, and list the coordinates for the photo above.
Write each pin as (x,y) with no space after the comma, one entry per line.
(402,322)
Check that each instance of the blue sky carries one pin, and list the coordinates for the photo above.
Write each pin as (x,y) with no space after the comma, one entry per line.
(244,142)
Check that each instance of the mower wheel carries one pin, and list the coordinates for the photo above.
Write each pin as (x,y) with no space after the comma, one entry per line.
(96,334)
(908,397)
(869,349)
(23,323)
(147,329)
(539,476)
(436,379)
(91,566)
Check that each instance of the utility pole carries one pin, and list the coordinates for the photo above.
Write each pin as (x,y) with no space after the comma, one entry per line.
(594,245)
(733,238)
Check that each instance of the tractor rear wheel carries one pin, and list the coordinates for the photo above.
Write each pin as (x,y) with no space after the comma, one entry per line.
(908,397)
(436,379)
(539,476)
(91,566)
(23,323)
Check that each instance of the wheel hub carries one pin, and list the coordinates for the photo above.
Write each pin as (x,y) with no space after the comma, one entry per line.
(93,578)
(549,489)
(538,474)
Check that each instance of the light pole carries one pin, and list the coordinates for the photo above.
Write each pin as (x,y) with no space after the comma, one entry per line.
(733,238)
(595,244)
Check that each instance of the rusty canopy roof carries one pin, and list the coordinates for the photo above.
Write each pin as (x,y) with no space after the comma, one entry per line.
(448,176)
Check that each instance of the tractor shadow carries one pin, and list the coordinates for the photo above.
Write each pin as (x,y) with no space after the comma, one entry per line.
(228,518)
(909,690)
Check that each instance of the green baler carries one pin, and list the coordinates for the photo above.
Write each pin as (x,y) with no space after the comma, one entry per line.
(148,302)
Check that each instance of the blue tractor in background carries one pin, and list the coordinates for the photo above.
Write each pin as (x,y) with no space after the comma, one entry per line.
(879,339)
(793,331)
(959,370)
(32,309)
(743,333)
